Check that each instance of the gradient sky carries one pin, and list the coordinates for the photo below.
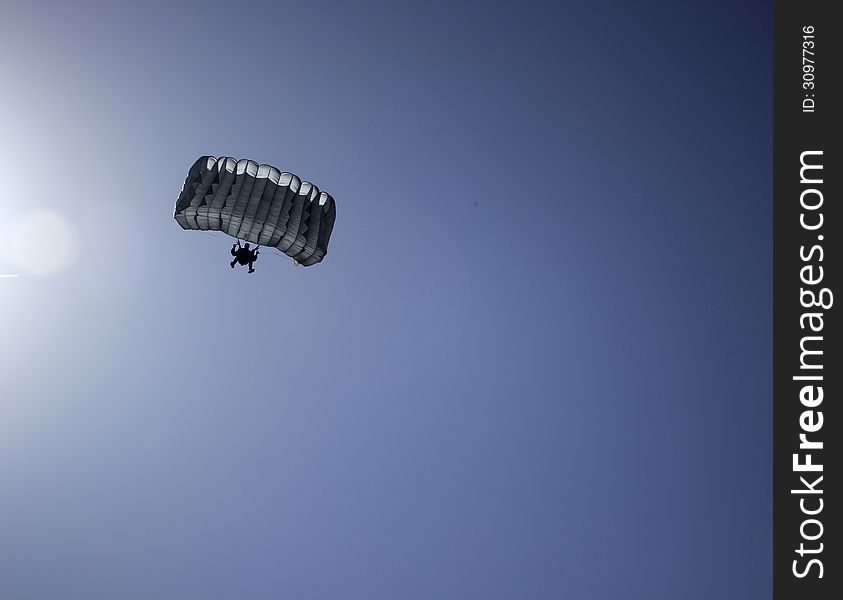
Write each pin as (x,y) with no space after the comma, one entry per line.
(535,363)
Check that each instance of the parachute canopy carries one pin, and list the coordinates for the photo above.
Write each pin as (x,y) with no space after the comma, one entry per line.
(259,204)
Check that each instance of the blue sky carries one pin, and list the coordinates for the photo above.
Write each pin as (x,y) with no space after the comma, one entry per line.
(534,364)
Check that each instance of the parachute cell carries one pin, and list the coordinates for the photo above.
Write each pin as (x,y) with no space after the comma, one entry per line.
(259,204)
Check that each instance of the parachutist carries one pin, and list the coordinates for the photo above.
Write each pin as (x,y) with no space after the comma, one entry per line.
(244,255)
(260,203)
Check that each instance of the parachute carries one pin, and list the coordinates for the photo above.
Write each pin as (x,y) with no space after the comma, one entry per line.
(259,204)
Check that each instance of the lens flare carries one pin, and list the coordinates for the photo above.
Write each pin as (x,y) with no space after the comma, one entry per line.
(43,243)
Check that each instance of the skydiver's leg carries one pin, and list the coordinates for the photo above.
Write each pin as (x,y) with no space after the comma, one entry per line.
(232,263)
(251,268)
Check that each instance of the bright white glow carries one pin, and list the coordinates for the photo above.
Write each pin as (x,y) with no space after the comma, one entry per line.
(43,243)
(7,275)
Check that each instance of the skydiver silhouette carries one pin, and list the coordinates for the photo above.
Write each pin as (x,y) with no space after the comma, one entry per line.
(244,256)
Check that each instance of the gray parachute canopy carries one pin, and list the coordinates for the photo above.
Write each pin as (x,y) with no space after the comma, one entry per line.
(259,204)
